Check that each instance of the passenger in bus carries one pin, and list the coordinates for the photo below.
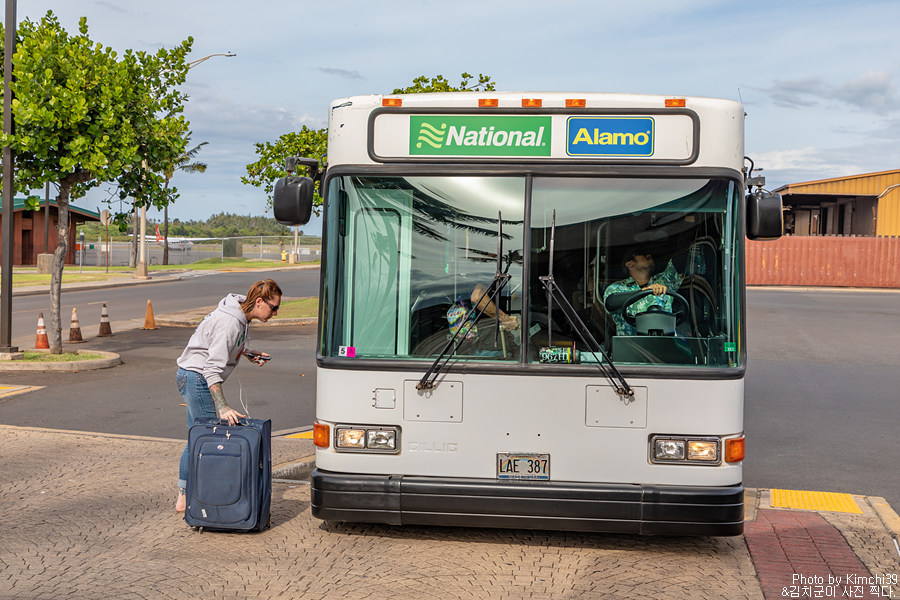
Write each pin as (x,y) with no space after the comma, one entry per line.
(507,322)
(639,264)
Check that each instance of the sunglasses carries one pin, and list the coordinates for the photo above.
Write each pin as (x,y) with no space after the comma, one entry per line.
(274,308)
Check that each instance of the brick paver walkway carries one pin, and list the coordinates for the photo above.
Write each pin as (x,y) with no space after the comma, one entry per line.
(798,554)
(89,517)
(86,516)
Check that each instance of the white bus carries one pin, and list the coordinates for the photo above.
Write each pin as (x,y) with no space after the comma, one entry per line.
(487,355)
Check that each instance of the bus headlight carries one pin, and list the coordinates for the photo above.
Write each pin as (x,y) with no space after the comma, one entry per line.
(350,438)
(364,438)
(381,439)
(669,450)
(685,450)
(703,450)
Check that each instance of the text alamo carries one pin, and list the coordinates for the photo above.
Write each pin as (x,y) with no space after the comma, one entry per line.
(608,138)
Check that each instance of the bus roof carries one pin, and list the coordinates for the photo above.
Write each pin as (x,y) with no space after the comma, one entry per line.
(536,127)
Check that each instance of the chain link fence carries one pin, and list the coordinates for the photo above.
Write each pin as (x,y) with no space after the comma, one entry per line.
(184,251)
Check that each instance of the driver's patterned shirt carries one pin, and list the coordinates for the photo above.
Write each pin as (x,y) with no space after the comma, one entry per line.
(669,278)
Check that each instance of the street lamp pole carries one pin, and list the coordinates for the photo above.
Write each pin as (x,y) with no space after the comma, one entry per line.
(194,63)
(9,188)
(141,271)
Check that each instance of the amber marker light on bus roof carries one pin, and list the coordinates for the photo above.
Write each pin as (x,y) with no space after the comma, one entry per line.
(321,435)
(488,102)
(392,101)
(675,103)
(576,103)
(532,103)
(734,450)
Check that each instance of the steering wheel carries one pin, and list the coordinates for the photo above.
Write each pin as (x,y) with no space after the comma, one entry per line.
(680,306)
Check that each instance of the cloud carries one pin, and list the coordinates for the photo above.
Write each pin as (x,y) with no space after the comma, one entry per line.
(810,163)
(874,91)
(800,93)
(807,159)
(113,6)
(340,73)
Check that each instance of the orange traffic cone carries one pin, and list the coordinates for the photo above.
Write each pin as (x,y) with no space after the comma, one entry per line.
(75,328)
(105,329)
(149,322)
(41,340)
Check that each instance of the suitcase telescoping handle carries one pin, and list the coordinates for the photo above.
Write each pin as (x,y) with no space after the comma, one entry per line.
(241,422)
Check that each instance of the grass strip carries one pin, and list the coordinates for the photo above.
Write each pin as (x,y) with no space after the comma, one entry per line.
(64,357)
(298,309)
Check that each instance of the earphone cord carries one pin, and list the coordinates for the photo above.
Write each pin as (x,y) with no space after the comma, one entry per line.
(241,397)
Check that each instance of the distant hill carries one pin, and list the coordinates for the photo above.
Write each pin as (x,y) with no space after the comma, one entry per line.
(217,226)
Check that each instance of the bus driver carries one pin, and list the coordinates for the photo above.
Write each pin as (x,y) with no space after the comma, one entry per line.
(640,266)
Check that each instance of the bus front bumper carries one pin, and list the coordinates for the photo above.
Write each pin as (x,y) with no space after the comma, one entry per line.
(551,505)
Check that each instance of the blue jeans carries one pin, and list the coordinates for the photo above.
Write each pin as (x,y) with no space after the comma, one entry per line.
(199,404)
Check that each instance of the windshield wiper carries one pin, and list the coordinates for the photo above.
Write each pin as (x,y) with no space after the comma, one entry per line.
(501,278)
(609,370)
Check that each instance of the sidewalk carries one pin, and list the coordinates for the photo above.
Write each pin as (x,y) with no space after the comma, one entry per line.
(88,515)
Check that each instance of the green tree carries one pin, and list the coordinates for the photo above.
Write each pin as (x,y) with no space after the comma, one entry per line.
(162,130)
(313,143)
(182,163)
(84,116)
(423,84)
(270,166)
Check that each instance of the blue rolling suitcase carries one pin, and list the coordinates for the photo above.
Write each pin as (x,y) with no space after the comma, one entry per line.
(229,486)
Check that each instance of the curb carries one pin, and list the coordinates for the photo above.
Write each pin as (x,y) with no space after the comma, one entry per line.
(888,516)
(192,318)
(110,359)
(295,471)
(95,285)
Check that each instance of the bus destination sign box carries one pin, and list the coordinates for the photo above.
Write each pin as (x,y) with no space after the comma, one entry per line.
(661,138)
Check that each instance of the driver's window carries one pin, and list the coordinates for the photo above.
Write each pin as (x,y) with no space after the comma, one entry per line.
(642,262)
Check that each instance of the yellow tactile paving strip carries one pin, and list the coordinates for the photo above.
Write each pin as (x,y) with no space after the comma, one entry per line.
(806,500)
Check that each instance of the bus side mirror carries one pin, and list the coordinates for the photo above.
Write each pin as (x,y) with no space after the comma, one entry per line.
(764,216)
(293,200)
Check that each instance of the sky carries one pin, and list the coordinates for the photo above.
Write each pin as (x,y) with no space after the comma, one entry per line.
(818,79)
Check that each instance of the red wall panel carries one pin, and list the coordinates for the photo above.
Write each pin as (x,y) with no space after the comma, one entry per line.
(825,261)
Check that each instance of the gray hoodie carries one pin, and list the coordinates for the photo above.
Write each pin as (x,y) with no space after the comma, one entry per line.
(216,345)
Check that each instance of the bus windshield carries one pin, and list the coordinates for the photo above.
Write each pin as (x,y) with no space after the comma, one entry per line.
(650,266)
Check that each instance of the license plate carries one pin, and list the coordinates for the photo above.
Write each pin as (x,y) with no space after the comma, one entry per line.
(523,466)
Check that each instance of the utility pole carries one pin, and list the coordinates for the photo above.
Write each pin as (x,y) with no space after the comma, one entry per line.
(9,188)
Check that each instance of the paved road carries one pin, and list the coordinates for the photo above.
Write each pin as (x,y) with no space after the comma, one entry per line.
(196,289)
(822,391)
(140,397)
